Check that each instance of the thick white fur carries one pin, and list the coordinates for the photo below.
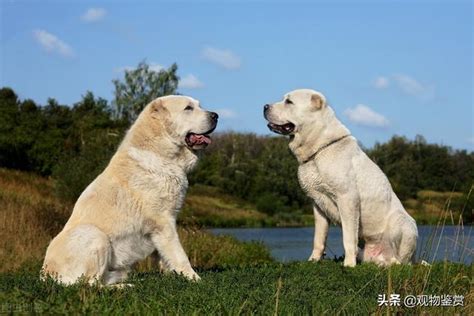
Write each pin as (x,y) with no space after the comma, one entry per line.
(130,209)
(346,186)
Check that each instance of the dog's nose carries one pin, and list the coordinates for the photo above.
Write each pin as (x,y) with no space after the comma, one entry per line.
(214,116)
(266,107)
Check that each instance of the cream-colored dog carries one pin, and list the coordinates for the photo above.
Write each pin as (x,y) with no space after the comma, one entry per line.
(130,209)
(346,186)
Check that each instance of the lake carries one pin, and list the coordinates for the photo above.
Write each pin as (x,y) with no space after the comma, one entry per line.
(290,244)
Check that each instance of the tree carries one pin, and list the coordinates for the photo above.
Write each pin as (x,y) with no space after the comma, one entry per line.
(93,140)
(140,87)
(90,116)
(9,151)
(54,128)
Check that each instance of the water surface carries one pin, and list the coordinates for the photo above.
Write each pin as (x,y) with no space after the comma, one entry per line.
(289,244)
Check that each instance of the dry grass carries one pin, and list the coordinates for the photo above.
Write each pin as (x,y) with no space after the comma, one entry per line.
(429,206)
(437,196)
(213,211)
(31,216)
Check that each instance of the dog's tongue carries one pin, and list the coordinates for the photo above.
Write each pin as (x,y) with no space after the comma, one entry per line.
(200,139)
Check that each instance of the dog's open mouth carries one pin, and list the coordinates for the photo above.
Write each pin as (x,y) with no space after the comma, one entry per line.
(198,141)
(283,129)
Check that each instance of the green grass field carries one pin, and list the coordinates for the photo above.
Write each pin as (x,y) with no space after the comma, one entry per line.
(268,289)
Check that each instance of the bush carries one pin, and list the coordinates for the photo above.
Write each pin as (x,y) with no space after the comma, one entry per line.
(75,172)
(270,204)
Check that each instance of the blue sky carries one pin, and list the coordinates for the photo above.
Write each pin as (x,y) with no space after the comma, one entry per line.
(386,67)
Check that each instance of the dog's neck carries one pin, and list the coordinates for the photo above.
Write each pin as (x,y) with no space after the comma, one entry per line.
(159,143)
(310,139)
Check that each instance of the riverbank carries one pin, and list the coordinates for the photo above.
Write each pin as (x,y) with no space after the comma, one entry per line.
(209,207)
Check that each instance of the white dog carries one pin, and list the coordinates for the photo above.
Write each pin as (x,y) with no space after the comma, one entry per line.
(346,186)
(130,209)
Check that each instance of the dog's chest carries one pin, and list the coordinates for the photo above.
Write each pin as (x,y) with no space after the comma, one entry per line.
(311,181)
(314,185)
(161,183)
(167,192)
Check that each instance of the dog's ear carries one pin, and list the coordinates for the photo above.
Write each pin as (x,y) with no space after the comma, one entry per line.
(157,109)
(318,101)
(156,106)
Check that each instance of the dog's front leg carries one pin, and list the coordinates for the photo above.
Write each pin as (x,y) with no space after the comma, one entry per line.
(349,209)
(166,241)
(321,226)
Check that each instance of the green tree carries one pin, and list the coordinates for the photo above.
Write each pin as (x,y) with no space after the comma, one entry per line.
(140,86)
(10,153)
(88,148)
(55,128)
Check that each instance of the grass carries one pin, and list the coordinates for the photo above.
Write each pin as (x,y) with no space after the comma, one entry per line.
(429,206)
(290,289)
(30,215)
(208,207)
(454,211)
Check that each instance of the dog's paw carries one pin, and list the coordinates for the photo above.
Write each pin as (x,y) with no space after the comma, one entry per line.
(192,276)
(350,263)
(120,286)
(316,256)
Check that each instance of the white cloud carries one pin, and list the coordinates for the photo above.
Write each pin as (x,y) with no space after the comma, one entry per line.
(381,82)
(190,82)
(406,84)
(226,113)
(409,85)
(93,15)
(363,115)
(221,57)
(52,44)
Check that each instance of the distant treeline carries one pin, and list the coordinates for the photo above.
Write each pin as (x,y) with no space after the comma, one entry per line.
(263,170)
(73,143)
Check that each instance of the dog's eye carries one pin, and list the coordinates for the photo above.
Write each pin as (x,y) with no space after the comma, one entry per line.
(288,101)
(188,108)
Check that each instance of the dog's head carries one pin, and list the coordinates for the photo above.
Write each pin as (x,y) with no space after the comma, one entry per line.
(184,120)
(297,109)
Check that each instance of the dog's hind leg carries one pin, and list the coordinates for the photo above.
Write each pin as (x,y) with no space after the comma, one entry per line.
(407,247)
(81,252)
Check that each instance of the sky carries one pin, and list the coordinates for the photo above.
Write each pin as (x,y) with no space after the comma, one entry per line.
(386,67)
